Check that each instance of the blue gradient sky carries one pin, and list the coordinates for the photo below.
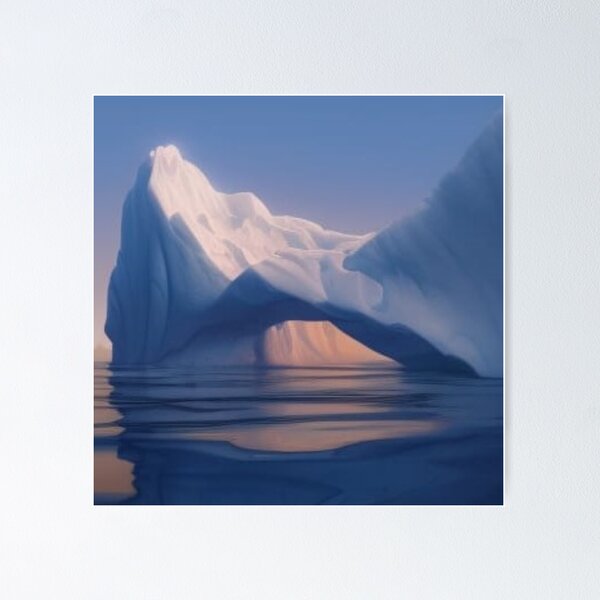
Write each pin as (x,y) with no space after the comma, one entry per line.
(350,163)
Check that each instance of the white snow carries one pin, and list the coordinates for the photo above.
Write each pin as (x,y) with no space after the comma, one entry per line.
(204,276)
(235,230)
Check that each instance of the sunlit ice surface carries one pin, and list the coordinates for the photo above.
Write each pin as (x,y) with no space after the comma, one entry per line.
(357,434)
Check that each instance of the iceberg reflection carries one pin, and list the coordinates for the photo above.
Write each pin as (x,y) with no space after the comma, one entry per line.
(358,435)
(315,435)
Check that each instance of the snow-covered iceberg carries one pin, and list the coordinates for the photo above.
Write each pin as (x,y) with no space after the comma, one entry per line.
(206,277)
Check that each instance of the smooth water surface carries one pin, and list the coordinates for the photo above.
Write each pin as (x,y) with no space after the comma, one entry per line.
(332,435)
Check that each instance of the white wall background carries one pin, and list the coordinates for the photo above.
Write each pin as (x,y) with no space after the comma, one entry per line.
(545,56)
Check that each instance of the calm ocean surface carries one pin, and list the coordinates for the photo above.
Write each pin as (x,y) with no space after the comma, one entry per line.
(347,435)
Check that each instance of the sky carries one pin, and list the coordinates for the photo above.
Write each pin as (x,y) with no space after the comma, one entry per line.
(351,163)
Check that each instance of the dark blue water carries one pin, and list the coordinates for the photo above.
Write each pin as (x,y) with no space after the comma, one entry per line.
(352,435)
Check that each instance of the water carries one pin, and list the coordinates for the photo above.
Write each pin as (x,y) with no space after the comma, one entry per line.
(347,435)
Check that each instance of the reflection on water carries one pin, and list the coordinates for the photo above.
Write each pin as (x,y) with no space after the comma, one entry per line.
(357,435)
(312,436)
(112,476)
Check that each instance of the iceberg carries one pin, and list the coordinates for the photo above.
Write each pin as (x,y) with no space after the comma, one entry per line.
(203,277)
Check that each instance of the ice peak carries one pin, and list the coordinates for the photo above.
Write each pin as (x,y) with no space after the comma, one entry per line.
(167,164)
(166,161)
(169,152)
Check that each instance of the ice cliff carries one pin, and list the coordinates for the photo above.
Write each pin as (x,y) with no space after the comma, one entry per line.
(206,277)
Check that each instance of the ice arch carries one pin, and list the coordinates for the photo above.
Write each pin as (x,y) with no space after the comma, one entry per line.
(203,276)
